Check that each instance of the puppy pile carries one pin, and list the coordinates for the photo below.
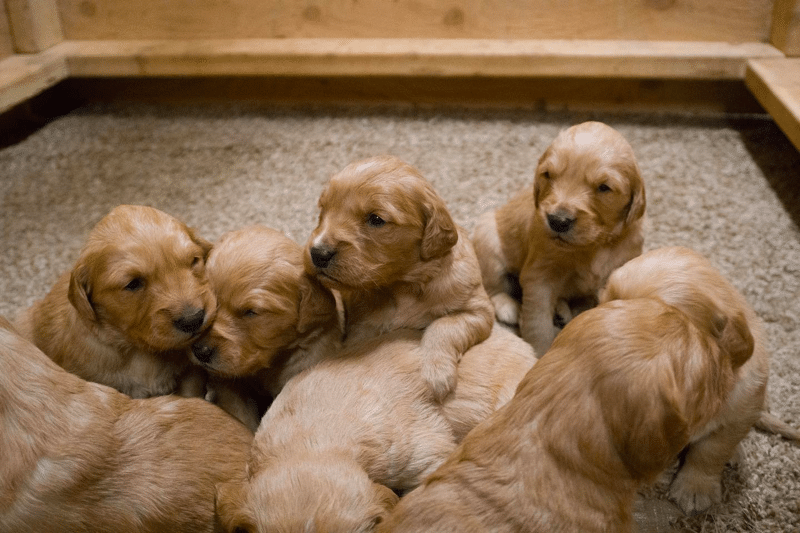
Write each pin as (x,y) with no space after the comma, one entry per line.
(393,374)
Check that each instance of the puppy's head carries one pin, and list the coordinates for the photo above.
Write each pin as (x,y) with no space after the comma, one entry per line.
(140,280)
(266,302)
(378,219)
(299,497)
(684,279)
(588,189)
(647,379)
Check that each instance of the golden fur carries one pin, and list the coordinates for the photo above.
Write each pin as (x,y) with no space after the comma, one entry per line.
(128,311)
(618,395)
(272,319)
(387,242)
(687,281)
(583,219)
(79,456)
(344,430)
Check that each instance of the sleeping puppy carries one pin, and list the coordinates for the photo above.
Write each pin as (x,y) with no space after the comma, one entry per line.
(688,282)
(338,438)
(387,242)
(618,395)
(272,319)
(128,312)
(79,456)
(583,220)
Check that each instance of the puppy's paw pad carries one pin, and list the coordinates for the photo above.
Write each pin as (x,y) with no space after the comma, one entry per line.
(695,493)
(506,309)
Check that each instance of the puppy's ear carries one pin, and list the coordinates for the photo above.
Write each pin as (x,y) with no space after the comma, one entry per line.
(317,304)
(734,337)
(440,233)
(204,244)
(638,202)
(80,291)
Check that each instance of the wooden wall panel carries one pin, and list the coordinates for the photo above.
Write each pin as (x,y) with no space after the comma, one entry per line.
(35,24)
(785,33)
(6,45)
(731,21)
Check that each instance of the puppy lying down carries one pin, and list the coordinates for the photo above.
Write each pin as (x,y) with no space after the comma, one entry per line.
(387,242)
(78,456)
(344,434)
(684,279)
(128,311)
(618,395)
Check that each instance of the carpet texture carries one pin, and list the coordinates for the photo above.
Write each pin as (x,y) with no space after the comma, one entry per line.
(728,187)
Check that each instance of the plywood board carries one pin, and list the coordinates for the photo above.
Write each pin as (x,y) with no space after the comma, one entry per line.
(776,85)
(413,57)
(732,21)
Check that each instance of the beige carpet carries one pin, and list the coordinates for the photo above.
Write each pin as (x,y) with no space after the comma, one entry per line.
(728,187)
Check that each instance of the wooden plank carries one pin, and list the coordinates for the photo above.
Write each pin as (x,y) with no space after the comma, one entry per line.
(785,33)
(776,85)
(696,20)
(413,57)
(24,76)
(35,24)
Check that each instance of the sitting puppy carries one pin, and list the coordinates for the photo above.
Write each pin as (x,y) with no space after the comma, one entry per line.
(386,241)
(78,456)
(583,220)
(618,395)
(337,439)
(128,312)
(688,282)
(272,320)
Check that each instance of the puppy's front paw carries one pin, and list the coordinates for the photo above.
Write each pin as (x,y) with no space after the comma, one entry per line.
(440,375)
(506,309)
(695,492)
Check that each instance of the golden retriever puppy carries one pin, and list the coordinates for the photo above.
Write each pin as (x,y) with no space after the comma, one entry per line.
(338,438)
(688,282)
(79,456)
(130,309)
(618,395)
(272,319)
(559,244)
(387,242)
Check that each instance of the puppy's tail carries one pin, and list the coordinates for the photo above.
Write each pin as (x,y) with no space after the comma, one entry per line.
(772,424)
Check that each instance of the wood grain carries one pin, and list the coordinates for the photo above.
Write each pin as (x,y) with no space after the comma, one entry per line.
(776,85)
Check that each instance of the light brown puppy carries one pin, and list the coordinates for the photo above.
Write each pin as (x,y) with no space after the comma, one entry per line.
(337,439)
(272,320)
(79,456)
(605,410)
(128,312)
(387,242)
(687,281)
(583,219)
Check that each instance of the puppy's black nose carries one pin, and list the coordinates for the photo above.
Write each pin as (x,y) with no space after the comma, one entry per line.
(322,255)
(560,223)
(190,321)
(203,352)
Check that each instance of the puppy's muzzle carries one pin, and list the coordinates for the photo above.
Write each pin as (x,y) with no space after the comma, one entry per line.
(322,255)
(190,321)
(203,352)
(560,223)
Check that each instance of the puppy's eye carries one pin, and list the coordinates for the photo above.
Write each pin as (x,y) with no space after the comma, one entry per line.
(603,188)
(546,175)
(197,261)
(375,221)
(134,285)
(247,313)
(240,529)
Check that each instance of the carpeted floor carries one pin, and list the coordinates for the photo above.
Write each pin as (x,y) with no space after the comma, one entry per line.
(727,186)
